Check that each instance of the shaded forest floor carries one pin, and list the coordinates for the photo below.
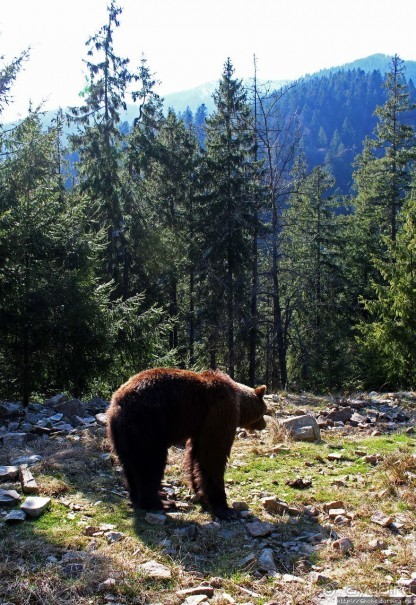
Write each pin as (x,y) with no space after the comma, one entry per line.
(89,547)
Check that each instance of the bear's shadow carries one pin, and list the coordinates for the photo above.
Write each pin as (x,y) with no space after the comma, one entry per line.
(224,548)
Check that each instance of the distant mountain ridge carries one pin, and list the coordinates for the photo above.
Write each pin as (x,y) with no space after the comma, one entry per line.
(377,62)
(194,97)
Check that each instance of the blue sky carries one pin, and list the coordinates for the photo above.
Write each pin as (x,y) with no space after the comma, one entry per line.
(187,41)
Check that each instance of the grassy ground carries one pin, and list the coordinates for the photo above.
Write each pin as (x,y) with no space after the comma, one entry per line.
(88,501)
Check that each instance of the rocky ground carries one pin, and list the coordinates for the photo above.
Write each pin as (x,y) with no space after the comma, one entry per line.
(325,496)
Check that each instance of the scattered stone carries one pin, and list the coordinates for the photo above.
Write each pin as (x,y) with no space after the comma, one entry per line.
(56,399)
(195,599)
(334,456)
(299,483)
(12,440)
(318,578)
(74,407)
(266,562)
(63,427)
(302,428)
(56,417)
(74,556)
(382,519)
(9,496)
(274,506)
(34,506)
(344,545)
(15,516)
(312,510)
(208,591)
(357,419)
(340,415)
(327,506)
(246,514)
(372,459)
(27,480)
(8,473)
(360,453)
(101,418)
(335,512)
(376,433)
(155,518)
(108,583)
(342,520)
(7,409)
(240,506)
(258,529)
(289,578)
(377,544)
(153,569)
(401,520)
(227,597)
(114,536)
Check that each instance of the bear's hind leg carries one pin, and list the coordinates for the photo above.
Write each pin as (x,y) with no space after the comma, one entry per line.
(144,475)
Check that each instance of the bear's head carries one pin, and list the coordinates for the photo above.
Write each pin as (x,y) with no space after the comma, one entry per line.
(252,407)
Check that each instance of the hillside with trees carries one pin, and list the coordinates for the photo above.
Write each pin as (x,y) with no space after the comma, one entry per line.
(272,238)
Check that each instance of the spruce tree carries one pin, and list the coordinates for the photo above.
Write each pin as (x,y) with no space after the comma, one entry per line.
(99,142)
(387,338)
(229,217)
(51,316)
(314,240)
(382,178)
(170,191)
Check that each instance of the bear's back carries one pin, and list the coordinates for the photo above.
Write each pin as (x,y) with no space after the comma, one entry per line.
(175,402)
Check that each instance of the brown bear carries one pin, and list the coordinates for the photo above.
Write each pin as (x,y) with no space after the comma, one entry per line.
(161,407)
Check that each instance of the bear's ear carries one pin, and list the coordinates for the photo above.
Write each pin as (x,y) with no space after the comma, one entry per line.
(260,391)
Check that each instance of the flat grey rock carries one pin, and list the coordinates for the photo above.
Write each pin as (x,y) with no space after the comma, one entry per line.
(11,440)
(8,473)
(34,506)
(29,460)
(9,496)
(15,516)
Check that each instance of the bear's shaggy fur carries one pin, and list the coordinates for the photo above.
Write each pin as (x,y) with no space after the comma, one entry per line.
(162,407)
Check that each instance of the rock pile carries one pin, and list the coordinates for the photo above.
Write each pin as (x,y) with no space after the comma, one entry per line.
(373,414)
(19,427)
(59,415)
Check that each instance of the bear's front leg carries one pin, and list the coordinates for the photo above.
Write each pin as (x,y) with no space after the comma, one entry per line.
(208,454)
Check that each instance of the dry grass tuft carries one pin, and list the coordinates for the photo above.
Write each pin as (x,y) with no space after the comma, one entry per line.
(277,432)
(400,469)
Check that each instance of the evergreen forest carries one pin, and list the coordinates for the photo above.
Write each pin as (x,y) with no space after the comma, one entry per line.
(240,239)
